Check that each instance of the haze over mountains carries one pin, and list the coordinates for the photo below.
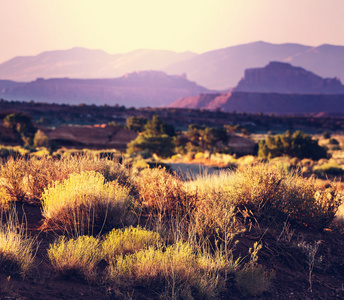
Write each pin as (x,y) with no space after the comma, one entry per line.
(218,69)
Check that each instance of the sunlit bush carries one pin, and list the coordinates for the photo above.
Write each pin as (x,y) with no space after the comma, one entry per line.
(85,201)
(173,272)
(128,240)
(16,246)
(78,256)
(26,179)
(271,195)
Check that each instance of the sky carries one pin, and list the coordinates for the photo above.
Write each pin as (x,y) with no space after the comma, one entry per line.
(29,27)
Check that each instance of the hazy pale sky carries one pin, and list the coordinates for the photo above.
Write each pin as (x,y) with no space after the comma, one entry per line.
(29,27)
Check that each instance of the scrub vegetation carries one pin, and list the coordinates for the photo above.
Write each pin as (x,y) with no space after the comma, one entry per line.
(152,233)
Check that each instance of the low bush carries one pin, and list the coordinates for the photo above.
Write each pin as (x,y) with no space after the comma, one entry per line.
(85,201)
(12,175)
(128,240)
(173,272)
(328,169)
(270,194)
(26,179)
(164,196)
(253,279)
(16,247)
(78,256)
(215,219)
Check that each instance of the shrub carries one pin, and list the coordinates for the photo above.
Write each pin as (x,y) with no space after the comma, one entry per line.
(8,152)
(161,145)
(25,180)
(163,192)
(215,217)
(273,194)
(75,256)
(328,169)
(16,247)
(165,200)
(333,142)
(253,279)
(270,194)
(86,201)
(128,240)
(12,175)
(298,145)
(174,272)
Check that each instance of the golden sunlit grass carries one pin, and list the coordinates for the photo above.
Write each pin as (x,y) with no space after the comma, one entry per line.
(75,256)
(271,194)
(174,272)
(16,247)
(128,240)
(85,202)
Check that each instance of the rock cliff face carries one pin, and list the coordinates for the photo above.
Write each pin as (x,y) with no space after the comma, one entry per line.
(278,77)
(139,89)
(266,103)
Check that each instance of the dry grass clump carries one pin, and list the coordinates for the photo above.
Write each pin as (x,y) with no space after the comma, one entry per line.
(85,201)
(215,219)
(163,192)
(128,240)
(16,247)
(25,179)
(12,175)
(75,256)
(173,272)
(269,194)
(165,199)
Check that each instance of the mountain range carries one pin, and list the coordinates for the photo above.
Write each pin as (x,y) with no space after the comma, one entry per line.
(219,69)
(137,89)
(277,88)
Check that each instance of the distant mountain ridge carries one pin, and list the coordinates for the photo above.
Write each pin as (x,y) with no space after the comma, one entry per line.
(218,69)
(283,78)
(277,88)
(86,64)
(138,89)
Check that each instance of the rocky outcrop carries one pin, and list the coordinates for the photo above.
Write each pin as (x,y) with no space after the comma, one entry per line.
(138,89)
(278,77)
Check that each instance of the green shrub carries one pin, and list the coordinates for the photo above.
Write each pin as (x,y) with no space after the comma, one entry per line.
(75,256)
(298,145)
(5,152)
(85,201)
(328,169)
